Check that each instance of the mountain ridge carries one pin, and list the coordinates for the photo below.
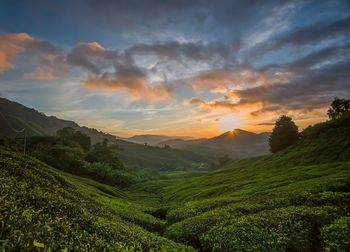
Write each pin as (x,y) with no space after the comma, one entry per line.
(236,143)
(152,139)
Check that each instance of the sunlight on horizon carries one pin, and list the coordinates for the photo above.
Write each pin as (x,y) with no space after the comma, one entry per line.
(231,122)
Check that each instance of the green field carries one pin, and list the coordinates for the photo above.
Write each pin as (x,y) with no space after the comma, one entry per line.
(295,200)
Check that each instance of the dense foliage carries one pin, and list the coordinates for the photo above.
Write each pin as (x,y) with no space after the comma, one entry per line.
(70,151)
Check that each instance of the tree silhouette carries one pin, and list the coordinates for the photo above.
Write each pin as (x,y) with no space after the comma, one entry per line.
(284,134)
(339,107)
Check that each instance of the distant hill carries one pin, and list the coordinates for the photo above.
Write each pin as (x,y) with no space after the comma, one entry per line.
(153,139)
(236,143)
(16,116)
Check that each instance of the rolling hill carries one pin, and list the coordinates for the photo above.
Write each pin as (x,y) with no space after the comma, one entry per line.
(294,200)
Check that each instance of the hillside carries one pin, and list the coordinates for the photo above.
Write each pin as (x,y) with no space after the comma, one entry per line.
(43,208)
(236,143)
(37,123)
(295,200)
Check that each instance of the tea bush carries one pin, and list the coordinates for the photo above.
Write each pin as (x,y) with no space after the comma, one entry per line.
(39,209)
(336,236)
(286,229)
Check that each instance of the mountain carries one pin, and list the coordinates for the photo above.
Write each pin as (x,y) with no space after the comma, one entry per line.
(15,116)
(236,143)
(153,139)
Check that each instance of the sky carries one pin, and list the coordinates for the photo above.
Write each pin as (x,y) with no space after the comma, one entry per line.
(185,68)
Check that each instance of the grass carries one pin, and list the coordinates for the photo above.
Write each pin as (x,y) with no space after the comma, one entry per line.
(295,200)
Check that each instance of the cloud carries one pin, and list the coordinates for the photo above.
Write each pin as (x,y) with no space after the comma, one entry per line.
(91,56)
(310,90)
(328,55)
(266,124)
(10,46)
(174,50)
(304,85)
(311,34)
(219,80)
(50,60)
(226,105)
(134,85)
(278,19)
(44,73)
(315,33)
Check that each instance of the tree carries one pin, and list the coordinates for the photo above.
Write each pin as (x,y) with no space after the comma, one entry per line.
(339,107)
(104,153)
(284,134)
(69,134)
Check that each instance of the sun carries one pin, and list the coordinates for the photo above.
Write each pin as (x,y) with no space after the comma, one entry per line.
(231,122)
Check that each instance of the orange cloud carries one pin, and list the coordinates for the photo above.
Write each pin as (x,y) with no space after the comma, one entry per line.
(243,90)
(223,105)
(10,46)
(92,47)
(136,87)
(222,80)
(50,59)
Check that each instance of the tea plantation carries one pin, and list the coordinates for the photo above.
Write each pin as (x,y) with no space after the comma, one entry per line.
(294,200)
